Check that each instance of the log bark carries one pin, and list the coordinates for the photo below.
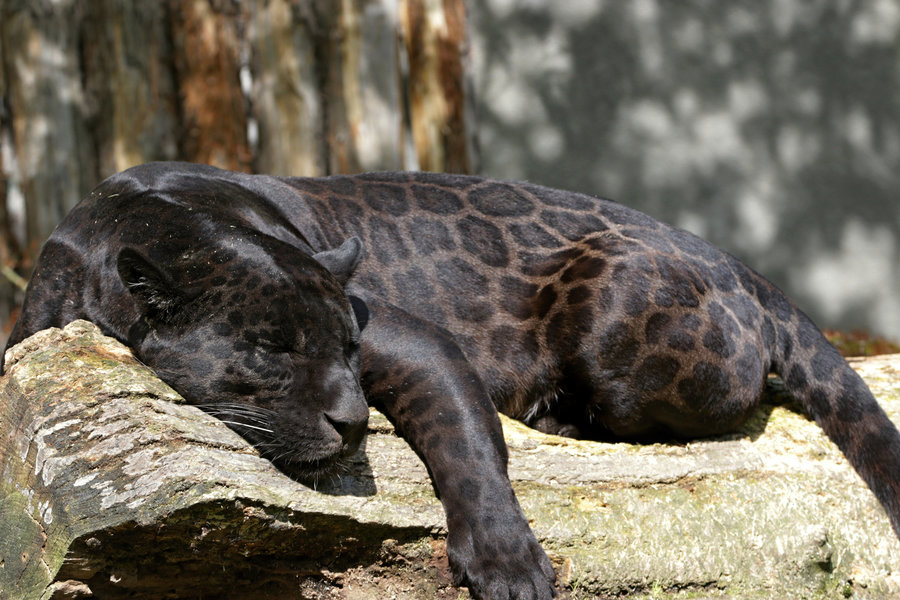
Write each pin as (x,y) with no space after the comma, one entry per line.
(113,487)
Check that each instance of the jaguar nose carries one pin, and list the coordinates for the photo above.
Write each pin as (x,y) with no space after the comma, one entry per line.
(351,426)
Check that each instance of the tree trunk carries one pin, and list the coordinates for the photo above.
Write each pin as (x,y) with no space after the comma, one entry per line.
(362,81)
(132,103)
(10,252)
(112,487)
(435,36)
(207,40)
(285,96)
(286,87)
(55,157)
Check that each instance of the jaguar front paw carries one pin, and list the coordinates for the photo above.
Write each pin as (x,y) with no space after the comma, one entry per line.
(499,560)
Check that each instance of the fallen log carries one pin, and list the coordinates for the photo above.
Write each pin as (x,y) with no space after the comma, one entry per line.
(113,487)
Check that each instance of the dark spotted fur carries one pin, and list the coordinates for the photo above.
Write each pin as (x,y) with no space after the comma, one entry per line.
(574,314)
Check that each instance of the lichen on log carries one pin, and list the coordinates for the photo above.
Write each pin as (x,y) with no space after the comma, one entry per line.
(112,486)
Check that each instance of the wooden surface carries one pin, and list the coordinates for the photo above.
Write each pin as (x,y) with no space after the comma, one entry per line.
(112,486)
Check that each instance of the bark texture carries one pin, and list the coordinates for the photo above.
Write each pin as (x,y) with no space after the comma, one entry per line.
(113,487)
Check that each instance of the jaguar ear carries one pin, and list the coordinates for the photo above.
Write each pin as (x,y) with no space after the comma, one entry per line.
(343,260)
(360,311)
(156,294)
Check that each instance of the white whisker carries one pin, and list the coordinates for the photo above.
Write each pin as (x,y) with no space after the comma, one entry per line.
(239,424)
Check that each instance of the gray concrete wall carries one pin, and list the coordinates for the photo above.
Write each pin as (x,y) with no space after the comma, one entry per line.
(770,127)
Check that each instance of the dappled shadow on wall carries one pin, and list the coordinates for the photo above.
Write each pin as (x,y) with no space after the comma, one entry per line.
(771,128)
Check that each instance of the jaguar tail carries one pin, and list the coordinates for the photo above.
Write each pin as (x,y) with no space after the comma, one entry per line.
(833,394)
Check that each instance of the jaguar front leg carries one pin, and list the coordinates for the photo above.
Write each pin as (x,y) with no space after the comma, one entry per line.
(416,373)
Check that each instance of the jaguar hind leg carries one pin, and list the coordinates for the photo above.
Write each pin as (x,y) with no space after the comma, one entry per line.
(650,377)
(552,425)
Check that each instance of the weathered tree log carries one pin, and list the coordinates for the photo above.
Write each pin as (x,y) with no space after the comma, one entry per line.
(112,486)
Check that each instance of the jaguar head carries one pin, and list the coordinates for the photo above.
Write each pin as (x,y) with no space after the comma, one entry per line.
(262,336)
